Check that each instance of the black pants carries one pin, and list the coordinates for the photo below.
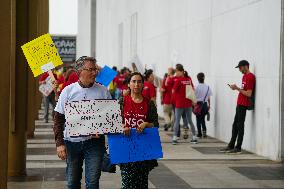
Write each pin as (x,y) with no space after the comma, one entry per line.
(238,127)
(200,119)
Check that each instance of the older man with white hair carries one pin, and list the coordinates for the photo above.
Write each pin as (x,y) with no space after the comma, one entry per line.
(77,150)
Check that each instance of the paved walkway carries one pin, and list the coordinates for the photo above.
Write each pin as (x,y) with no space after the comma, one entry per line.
(183,166)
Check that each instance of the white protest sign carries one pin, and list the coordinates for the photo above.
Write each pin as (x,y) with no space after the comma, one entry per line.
(92,117)
(46,88)
(138,64)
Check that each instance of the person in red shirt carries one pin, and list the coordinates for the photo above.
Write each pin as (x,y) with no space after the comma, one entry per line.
(149,90)
(50,99)
(182,104)
(139,113)
(170,83)
(121,81)
(245,102)
(70,77)
(166,91)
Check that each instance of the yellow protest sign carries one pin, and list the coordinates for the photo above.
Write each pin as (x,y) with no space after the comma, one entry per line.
(41,54)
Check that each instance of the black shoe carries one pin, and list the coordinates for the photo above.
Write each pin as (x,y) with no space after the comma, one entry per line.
(199,135)
(194,141)
(174,142)
(234,151)
(204,134)
(224,150)
(45,121)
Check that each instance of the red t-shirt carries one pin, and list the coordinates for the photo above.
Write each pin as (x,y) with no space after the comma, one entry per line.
(179,90)
(135,113)
(60,79)
(167,95)
(119,80)
(248,83)
(45,75)
(149,90)
(170,83)
(73,78)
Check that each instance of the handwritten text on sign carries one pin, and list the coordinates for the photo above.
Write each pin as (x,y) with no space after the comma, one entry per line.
(91,117)
(46,88)
(136,147)
(41,54)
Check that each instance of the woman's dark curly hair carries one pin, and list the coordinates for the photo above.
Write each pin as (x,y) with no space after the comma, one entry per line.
(147,74)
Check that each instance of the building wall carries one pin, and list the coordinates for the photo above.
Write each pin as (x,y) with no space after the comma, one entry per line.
(84,28)
(209,36)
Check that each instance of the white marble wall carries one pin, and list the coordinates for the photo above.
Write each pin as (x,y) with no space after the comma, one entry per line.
(84,28)
(209,36)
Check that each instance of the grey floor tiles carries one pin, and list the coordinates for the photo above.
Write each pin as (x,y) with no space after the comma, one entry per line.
(213,150)
(261,173)
(163,178)
(184,166)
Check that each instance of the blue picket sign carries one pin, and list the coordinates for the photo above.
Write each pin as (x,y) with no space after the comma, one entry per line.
(136,147)
(105,76)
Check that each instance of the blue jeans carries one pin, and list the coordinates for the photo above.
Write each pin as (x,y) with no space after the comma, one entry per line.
(92,152)
(178,114)
(49,100)
(184,119)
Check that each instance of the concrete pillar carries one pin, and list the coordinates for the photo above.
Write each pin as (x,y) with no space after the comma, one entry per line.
(38,25)
(86,38)
(31,105)
(93,27)
(31,22)
(17,136)
(42,28)
(7,13)
(282,81)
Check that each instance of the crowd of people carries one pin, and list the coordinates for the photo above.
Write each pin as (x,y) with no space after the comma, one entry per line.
(137,95)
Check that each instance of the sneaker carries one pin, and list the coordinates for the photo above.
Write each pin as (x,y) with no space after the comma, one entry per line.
(174,142)
(224,150)
(199,136)
(185,136)
(234,151)
(194,141)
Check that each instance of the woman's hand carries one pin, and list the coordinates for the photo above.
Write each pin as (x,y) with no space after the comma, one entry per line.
(61,152)
(125,92)
(95,136)
(141,127)
(126,131)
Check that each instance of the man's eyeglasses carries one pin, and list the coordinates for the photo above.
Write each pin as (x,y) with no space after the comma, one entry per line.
(91,69)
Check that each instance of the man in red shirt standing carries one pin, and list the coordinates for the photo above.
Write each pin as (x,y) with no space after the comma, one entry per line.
(244,103)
